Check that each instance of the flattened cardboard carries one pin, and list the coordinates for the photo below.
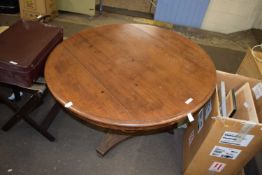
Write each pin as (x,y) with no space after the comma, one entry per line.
(246,109)
(231,103)
(235,81)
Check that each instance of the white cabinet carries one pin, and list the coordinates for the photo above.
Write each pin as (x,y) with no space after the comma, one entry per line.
(78,6)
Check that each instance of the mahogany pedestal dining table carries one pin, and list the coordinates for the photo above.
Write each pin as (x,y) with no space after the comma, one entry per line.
(130,78)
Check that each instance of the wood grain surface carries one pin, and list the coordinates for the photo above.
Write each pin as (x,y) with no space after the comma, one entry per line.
(130,77)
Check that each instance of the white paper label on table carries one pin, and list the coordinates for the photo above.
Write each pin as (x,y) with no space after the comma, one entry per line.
(217,167)
(188,101)
(190,117)
(257,89)
(68,105)
(224,152)
(237,139)
(13,62)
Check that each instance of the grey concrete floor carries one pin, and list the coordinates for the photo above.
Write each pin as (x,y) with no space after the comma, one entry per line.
(23,151)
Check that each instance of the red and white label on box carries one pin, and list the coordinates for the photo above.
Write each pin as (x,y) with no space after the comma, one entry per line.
(217,167)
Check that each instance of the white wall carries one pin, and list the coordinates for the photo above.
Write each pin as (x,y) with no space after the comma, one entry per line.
(258,21)
(229,16)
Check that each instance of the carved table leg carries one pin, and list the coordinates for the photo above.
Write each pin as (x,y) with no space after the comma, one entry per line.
(110,140)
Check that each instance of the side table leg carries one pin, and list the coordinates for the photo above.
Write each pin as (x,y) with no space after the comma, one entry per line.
(110,140)
(30,105)
(9,103)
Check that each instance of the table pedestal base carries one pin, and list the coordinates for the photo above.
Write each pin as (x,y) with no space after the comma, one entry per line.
(109,141)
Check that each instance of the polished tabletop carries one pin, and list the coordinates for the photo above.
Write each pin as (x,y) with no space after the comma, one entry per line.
(130,77)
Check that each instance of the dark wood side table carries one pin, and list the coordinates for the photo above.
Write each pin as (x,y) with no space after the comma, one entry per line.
(130,78)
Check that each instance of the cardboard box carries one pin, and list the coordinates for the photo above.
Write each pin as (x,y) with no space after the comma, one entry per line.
(31,9)
(221,145)
(250,66)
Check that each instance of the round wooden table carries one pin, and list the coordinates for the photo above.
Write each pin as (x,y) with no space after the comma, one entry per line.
(130,77)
